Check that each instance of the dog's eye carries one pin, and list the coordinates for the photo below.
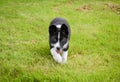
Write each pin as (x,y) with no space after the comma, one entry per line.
(63,32)
(55,39)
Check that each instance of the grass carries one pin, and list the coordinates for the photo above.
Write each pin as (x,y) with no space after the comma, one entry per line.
(94,54)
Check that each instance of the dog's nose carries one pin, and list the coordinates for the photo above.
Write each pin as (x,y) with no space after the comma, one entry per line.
(58,48)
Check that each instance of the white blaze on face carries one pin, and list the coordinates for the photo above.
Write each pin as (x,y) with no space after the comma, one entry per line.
(58,42)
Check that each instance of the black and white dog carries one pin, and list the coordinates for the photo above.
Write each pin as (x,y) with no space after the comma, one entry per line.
(59,36)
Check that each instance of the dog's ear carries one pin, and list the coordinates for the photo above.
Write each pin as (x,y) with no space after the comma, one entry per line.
(64,29)
(52,29)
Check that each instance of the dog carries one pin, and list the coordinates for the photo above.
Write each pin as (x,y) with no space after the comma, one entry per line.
(59,37)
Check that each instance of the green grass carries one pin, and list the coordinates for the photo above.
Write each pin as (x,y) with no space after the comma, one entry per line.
(94,54)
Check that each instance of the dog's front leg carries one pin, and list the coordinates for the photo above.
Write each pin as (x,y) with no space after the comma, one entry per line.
(56,56)
(64,56)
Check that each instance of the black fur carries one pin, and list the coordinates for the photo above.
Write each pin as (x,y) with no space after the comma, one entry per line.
(64,32)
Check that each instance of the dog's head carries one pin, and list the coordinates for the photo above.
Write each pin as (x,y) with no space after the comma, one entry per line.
(58,37)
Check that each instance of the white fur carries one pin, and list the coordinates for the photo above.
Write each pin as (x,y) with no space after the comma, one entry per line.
(58,35)
(64,56)
(56,56)
(58,26)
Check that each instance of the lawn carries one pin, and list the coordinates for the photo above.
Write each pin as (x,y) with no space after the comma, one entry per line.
(94,53)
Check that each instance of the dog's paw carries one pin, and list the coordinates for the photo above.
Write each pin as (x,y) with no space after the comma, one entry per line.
(64,60)
(58,58)
(64,56)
